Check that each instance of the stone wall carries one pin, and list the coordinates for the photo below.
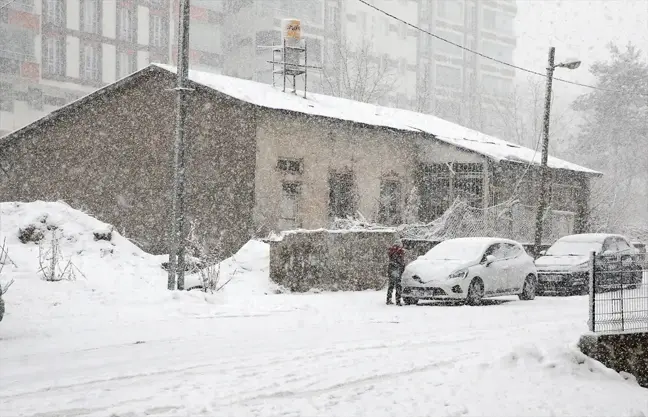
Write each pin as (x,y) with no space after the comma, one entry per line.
(330,260)
(623,352)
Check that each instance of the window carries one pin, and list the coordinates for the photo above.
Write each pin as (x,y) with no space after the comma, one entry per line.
(496,85)
(490,19)
(54,56)
(622,244)
(90,16)
(54,12)
(362,21)
(498,50)
(448,76)
(126,31)
(90,67)
(445,47)
(126,64)
(468,182)
(6,97)
(290,166)
(156,31)
(288,207)
(450,10)
(332,17)
(35,98)
(389,211)
(16,43)
(342,197)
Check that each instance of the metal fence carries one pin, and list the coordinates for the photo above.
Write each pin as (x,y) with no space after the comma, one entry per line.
(618,299)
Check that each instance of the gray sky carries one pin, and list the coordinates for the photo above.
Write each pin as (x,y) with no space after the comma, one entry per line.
(577,29)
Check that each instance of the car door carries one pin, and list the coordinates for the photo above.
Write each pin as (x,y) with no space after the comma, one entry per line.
(494,273)
(515,267)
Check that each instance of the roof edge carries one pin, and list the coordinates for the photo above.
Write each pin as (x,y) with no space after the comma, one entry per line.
(20,132)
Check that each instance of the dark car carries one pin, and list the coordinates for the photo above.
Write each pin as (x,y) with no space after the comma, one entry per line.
(564,267)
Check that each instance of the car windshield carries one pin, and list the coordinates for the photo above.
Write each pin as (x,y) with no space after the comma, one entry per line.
(573,248)
(459,250)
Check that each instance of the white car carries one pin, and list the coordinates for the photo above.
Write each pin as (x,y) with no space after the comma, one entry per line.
(470,269)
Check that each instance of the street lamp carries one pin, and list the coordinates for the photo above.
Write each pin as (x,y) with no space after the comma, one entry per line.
(544,171)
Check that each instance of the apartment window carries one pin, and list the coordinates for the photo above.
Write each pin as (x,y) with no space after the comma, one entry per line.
(156,31)
(16,43)
(490,19)
(342,197)
(54,13)
(35,98)
(499,51)
(90,21)
(125,64)
(362,21)
(448,76)
(333,17)
(90,63)
(389,212)
(289,205)
(126,27)
(450,10)
(54,56)
(496,85)
(6,97)
(447,48)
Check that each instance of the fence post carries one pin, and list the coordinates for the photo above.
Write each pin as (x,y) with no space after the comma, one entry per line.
(592,292)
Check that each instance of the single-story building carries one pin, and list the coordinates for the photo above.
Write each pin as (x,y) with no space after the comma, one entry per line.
(260,160)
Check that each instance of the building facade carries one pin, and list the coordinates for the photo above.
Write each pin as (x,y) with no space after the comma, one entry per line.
(280,162)
(55,51)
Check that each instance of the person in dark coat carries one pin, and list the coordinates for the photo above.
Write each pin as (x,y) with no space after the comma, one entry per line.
(395,270)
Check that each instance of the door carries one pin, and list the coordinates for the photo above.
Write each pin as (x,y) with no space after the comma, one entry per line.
(514,267)
(494,274)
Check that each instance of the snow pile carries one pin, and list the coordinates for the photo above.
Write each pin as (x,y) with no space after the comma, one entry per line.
(245,273)
(97,266)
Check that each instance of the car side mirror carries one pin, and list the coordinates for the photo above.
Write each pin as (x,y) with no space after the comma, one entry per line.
(489,260)
(543,252)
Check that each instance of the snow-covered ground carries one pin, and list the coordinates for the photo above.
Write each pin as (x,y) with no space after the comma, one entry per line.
(115,342)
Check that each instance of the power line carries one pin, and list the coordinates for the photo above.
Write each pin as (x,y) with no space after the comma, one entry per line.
(491,58)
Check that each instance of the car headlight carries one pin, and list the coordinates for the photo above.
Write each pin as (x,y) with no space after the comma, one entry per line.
(462,273)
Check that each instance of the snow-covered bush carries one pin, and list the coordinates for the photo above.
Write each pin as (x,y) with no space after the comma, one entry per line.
(52,264)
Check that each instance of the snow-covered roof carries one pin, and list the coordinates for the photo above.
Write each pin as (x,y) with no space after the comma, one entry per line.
(265,95)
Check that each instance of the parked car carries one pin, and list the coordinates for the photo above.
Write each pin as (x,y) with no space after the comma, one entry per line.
(470,269)
(565,266)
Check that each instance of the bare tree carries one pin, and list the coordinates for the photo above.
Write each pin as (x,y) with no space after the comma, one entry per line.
(352,71)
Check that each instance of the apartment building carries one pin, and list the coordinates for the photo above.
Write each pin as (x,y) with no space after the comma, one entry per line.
(456,84)
(55,51)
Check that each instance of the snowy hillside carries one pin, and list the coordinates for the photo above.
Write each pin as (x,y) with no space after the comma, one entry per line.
(114,341)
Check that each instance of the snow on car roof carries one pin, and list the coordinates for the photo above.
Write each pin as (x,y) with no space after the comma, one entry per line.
(481,240)
(265,95)
(588,237)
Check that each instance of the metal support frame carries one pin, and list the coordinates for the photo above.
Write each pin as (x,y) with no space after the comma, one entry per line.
(592,292)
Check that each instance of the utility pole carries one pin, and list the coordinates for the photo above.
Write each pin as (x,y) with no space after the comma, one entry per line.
(544,170)
(178,243)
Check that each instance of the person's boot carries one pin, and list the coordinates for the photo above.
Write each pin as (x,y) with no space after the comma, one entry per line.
(398,303)
(389,302)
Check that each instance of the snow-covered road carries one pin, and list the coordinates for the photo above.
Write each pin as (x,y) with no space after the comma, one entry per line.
(313,354)
(115,342)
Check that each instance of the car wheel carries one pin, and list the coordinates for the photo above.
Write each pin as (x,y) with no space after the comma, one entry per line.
(409,301)
(475,292)
(529,288)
